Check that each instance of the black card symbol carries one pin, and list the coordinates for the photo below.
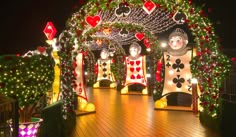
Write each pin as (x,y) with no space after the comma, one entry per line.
(178,65)
(178,81)
(122,10)
(179,17)
(123,32)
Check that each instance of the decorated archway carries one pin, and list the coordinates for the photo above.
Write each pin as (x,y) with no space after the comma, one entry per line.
(137,20)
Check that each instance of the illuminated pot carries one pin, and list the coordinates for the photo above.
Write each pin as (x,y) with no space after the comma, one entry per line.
(29,129)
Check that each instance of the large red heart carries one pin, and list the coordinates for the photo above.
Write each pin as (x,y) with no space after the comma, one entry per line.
(139,36)
(132,69)
(41,49)
(149,6)
(93,21)
(132,77)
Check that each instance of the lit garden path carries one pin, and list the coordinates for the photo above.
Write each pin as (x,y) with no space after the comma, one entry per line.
(134,116)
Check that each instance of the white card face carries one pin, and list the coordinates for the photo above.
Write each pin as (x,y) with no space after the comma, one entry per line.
(177,73)
(79,70)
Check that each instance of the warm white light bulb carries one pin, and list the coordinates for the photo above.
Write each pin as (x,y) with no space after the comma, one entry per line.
(163,44)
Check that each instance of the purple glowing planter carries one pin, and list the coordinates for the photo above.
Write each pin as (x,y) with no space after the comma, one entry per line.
(29,129)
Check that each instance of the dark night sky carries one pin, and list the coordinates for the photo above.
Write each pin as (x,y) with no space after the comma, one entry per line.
(22,22)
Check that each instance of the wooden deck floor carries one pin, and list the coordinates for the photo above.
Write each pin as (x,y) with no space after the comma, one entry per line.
(134,116)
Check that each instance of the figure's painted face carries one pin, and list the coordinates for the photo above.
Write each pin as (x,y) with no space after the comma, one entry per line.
(176,42)
(134,51)
(104,55)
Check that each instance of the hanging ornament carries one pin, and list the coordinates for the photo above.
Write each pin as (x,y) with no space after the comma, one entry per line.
(123,32)
(149,6)
(146,43)
(93,21)
(139,36)
(179,17)
(122,10)
(107,31)
(49,30)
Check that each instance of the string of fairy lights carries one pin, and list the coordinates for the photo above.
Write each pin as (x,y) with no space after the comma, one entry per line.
(152,23)
(156,23)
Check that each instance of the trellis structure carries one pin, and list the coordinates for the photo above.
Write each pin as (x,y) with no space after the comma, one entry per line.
(101,21)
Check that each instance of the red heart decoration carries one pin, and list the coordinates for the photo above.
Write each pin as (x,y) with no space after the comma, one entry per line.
(132,77)
(80,84)
(138,62)
(146,43)
(138,76)
(93,21)
(138,69)
(139,36)
(149,6)
(41,49)
(132,63)
(132,69)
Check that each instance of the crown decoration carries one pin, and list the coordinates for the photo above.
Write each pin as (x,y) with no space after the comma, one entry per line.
(179,32)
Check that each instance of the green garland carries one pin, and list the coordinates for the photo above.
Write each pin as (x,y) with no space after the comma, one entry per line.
(209,58)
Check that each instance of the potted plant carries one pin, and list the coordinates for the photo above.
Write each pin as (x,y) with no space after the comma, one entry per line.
(26,79)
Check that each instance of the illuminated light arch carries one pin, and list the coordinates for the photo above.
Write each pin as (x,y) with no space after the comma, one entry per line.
(210,66)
